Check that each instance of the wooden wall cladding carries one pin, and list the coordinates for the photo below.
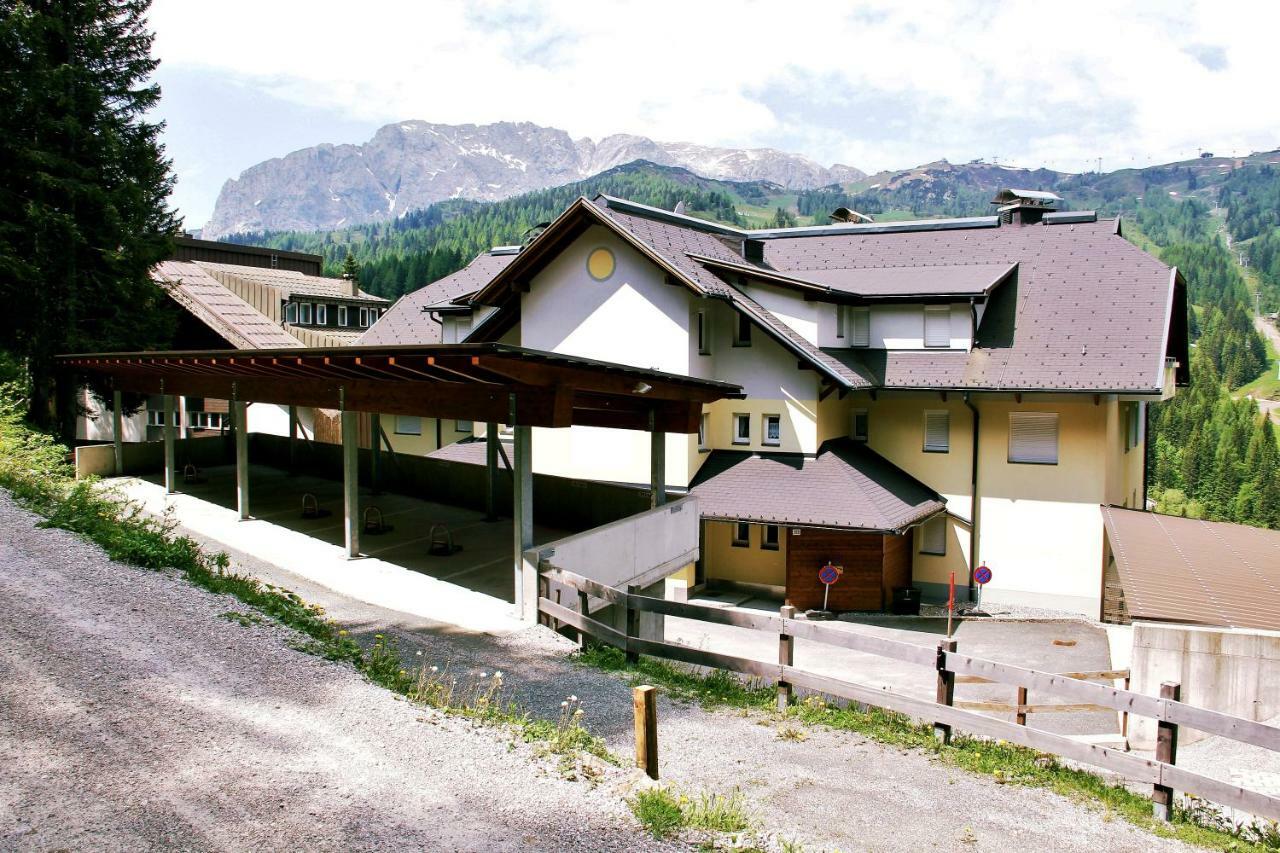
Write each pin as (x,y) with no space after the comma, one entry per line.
(897,564)
(861,555)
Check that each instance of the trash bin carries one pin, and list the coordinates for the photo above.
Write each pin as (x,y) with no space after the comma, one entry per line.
(906,601)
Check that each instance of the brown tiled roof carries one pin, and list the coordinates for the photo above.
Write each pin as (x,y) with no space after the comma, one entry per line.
(293,282)
(929,280)
(205,298)
(407,322)
(1200,572)
(845,485)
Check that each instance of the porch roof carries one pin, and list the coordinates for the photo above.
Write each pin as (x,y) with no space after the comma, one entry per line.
(482,382)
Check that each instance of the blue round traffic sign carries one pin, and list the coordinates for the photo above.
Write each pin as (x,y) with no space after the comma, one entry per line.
(829,574)
(982,575)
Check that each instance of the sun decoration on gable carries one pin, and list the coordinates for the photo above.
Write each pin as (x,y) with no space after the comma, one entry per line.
(601,264)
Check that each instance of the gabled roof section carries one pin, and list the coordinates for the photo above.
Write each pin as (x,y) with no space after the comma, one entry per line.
(230,317)
(846,485)
(292,282)
(409,321)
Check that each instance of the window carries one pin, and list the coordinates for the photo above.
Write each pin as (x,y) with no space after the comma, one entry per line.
(742,331)
(704,341)
(408,425)
(858,425)
(463,426)
(937,432)
(1033,438)
(769,537)
(275,262)
(772,429)
(322,315)
(741,534)
(155,417)
(933,536)
(704,424)
(205,420)
(304,313)
(742,429)
(1133,428)
(291,312)
(841,314)
(937,326)
(342,315)
(859,327)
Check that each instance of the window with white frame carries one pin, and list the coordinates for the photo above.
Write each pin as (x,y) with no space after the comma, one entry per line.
(742,331)
(933,536)
(322,315)
(859,327)
(704,334)
(741,534)
(859,421)
(342,315)
(937,325)
(408,425)
(1133,421)
(769,537)
(704,424)
(155,417)
(772,429)
(205,420)
(463,426)
(937,431)
(304,313)
(291,312)
(1033,438)
(741,429)
(364,318)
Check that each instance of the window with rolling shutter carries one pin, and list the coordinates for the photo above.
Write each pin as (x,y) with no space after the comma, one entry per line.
(937,326)
(937,432)
(859,327)
(1033,438)
(933,536)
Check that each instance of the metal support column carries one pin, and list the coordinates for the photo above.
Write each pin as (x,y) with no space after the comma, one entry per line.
(351,481)
(526,575)
(170,461)
(375,457)
(293,439)
(242,457)
(117,429)
(491,471)
(657,463)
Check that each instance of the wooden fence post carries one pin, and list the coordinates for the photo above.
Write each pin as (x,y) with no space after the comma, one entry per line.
(633,625)
(786,657)
(1020,715)
(644,701)
(946,688)
(1166,751)
(1124,718)
(584,608)
(544,591)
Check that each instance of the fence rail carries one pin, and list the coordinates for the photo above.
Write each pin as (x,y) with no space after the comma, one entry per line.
(950,668)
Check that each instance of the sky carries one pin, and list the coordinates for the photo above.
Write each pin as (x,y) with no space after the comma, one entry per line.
(875,85)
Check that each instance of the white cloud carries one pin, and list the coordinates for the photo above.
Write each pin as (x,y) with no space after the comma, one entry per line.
(882,85)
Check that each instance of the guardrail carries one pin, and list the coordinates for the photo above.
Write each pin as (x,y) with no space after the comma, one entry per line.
(950,667)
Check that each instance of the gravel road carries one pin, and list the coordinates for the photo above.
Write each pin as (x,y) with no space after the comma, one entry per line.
(132,717)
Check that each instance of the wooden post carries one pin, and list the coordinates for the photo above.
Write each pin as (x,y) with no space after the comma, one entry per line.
(644,701)
(946,688)
(1166,751)
(1124,719)
(117,430)
(1020,715)
(633,624)
(584,607)
(544,591)
(786,657)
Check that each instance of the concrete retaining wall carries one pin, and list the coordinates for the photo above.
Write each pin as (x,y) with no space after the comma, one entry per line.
(1236,671)
(147,457)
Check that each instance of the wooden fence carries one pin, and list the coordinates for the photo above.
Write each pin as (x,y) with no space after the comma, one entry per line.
(950,667)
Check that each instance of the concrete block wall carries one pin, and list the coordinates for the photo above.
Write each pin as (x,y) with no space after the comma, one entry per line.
(147,457)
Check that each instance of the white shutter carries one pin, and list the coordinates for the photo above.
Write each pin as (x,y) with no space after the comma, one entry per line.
(408,425)
(860,327)
(937,432)
(937,326)
(1033,437)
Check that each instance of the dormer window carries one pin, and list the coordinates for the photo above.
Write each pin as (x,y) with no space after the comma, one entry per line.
(342,315)
(291,312)
(322,315)
(304,313)
(937,326)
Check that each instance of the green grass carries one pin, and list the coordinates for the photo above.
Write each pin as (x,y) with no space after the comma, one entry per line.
(1004,762)
(664,811)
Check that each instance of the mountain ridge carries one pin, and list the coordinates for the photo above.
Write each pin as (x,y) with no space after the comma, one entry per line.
(411,164)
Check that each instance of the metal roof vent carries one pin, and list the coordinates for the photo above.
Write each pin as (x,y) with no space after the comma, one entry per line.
(1024,207)
(846,214)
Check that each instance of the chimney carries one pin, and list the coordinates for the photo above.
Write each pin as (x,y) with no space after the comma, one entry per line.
(353,286)
(1024,207)
(753,251)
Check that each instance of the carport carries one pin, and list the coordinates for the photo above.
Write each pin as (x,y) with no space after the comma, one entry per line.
(484,382)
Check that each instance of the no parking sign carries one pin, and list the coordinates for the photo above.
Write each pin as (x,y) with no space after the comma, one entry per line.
(982,575)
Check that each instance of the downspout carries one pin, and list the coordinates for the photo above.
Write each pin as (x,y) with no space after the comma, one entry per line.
(973,490)
(1146,447)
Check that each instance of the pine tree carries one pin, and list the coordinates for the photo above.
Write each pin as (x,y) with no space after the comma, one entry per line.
(350,269)
(83,189)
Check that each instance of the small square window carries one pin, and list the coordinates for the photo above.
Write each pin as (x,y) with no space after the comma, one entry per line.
(408,425)
(741,429)
(304,313)
(937,432)
(773,430)
(859,425)
(769,537)
(704,424)
(742,331)
(937,326)
(1033,438)
(342,315)
(933,536)
(859,327)
(741,534)
(463,426)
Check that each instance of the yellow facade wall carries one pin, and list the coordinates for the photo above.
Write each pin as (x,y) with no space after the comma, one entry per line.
(753,564)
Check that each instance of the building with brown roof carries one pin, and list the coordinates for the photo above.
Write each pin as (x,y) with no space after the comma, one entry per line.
(1004,364)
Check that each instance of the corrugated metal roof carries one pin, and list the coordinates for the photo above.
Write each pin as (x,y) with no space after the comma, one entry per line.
(1200,572)
(204,297)
(845,485)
